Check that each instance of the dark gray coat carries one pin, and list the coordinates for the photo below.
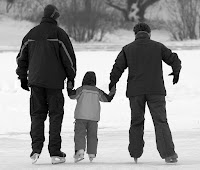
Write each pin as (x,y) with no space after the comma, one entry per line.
(143,58)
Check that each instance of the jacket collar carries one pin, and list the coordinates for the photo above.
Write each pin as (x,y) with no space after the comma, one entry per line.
(142,35)
(49,20)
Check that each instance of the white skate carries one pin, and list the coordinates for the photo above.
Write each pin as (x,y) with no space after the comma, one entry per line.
(91,157)
(35,158)
(79,156)
(57,160)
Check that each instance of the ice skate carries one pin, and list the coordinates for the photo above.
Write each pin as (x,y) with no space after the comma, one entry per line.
(58,158)
(91,157)
(171,159)
(136,159)
(34,157)
(79,156)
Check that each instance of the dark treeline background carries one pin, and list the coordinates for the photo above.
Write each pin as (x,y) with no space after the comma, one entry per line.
(86,20)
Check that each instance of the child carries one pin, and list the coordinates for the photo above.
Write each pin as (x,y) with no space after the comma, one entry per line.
(87,114)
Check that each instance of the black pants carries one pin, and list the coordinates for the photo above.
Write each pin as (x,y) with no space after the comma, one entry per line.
(45,102)
(156,104)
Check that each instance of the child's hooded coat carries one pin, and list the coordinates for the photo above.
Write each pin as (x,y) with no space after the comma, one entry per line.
(88,98)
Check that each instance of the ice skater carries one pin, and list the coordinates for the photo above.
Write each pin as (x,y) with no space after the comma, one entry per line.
(87,115)
(143,58)
(45,60)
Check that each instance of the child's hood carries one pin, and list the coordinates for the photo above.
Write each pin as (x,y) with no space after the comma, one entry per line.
(89,79)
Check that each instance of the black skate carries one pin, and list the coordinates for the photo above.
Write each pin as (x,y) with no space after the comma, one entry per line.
(171,159)
(58,158)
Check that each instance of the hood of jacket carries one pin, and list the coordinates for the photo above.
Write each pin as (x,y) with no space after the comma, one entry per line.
(89,79)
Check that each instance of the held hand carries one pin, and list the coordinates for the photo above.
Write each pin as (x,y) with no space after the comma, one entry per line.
(113,90)
(176,77)
(24,84)
(70,84)
(111,85)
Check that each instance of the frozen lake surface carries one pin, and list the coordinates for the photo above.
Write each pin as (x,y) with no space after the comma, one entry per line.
(183,114)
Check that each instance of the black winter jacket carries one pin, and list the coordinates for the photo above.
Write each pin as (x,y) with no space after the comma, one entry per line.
(46,56)
(144,57)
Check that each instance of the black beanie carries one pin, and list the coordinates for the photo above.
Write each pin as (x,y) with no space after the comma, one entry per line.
(50,11)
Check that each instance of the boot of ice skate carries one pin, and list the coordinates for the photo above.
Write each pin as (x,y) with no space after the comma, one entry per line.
(79,155)
(91,157)
(171,159)
(34,157)
(58,158)
(136,159)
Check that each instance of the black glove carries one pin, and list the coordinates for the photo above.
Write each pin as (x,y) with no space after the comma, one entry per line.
(111,85)
(24,84)
(176,77)
(70,84)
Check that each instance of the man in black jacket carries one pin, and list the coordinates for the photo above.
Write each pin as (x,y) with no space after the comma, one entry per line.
(45,60)
(143,58)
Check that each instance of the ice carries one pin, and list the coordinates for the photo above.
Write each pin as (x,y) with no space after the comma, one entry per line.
(182,111)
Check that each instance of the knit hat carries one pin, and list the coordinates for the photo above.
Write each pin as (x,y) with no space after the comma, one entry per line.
(89,79)
(50,11)
(141,27)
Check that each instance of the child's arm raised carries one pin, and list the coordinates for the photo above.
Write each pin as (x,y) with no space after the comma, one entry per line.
(107,97)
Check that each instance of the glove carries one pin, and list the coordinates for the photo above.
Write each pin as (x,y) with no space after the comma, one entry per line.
(70,84)
(176,77)
(111,85)
(24,84)
(113,90)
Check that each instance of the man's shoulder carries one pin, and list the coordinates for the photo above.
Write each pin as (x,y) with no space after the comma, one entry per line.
(61,30)
(156,42)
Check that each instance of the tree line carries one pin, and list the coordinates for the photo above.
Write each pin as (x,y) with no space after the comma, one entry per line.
(87,20)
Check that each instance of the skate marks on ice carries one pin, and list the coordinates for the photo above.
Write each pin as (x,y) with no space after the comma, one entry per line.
(112,153)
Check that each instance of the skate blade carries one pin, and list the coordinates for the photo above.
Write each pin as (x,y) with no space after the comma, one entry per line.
(135,159)
(91,159)
(171,161)
(57,160)
(35,158)
(78,160)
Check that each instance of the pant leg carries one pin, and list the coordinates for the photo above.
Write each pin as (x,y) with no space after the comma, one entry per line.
(136,131)
(38,113)
(157,106)
(55,101)
(80,134)
(92,139)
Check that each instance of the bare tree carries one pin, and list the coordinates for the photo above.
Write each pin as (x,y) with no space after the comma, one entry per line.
(85,20)
(9,5)
(184,17)
(133,10)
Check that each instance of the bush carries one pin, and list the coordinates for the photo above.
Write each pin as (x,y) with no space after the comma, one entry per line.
(87,20)
(184,19)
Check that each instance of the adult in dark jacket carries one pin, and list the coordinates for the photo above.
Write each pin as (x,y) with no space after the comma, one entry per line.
(143,58)
(45,60)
